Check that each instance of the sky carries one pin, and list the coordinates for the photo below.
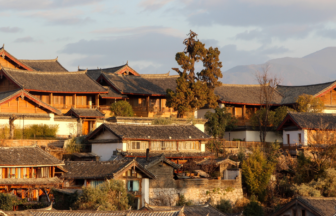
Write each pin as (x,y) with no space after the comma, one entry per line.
(148,33)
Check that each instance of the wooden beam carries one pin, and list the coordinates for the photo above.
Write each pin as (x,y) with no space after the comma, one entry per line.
(51,99)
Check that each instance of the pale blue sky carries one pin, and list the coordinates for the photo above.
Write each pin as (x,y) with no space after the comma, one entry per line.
(148,33)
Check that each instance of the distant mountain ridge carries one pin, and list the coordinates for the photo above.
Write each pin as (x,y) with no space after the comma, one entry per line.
(317,67)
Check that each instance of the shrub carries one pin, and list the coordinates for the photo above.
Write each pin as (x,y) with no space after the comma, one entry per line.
(7,201)
(72,147)
(122,108)
(182,201)
(253,208)
(162,121)
(30,131)
(109,196)
(225,206)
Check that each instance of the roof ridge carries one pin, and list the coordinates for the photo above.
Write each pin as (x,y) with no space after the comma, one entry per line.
(241,85)
(46,72)
(308,85)
(104,68)
(39,60)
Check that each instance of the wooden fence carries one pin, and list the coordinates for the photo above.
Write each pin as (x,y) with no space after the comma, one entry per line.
(243,144)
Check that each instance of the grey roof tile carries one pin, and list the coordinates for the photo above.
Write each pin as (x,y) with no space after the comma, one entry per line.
(51,65)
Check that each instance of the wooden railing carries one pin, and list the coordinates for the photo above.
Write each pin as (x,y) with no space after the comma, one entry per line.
(243,144)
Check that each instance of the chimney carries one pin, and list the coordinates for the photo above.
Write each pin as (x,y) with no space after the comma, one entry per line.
(147,154)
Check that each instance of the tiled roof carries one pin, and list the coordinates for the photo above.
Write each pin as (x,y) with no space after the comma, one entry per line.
(70,82)
(99,170)
(291,93)
(141,85)
(322,121)
(318,206)
(24,156)
(82,112)
(95,73)
(112,94)
(104,213)
(5,96)
(155,132)
(194,210)
(51,65)
(218,161)
(31,181)
(245,94)
(155,160)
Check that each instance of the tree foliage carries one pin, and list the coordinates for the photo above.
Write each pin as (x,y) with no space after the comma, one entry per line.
(195,89)
(257,171)
(309,103)
(122,108)
(253,209)
(224,206)
(109,196)
(8,201)
(219,121)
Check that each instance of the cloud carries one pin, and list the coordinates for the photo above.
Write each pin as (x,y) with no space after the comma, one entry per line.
(152,52)
(62,17)
(10,29)
(327,33)
(153,5)
(27,39)
(43,4)
(141,30)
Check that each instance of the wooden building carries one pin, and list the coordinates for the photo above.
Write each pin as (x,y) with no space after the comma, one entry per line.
(304,129)
(93,173)
(29,172)
(175,141)
(308,206)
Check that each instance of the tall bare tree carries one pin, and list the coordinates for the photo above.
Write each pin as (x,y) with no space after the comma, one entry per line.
(268,94)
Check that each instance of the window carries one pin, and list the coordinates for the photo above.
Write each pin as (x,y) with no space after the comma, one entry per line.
(96,184)
(163,145)
(133,186)
(189,145)
(300,138)
(135,145)
(11,173)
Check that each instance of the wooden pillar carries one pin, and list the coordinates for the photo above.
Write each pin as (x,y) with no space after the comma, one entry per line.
(177,146)
(74,100)
(147,105)
(51,99)
(97,100)
(18,104)
(149,145)
(244,111)
(234,111)
(331,97)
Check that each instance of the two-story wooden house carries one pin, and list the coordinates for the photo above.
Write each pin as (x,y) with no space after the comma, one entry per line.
(29,172)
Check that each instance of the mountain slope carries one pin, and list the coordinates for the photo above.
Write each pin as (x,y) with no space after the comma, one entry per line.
(317,67)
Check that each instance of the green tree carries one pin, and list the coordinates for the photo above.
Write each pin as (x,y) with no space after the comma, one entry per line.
(279,115)
(219,121)
(122,108)
(257,171)
(262,119)
(8,201)
(224,206)
(309,103)
(195,89)
(253,209)
(109,196)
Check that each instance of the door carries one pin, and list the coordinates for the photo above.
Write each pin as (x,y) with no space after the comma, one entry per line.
(288,139)
(85,128)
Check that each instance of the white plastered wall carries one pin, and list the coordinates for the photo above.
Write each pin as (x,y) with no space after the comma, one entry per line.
(254,136)
(105,150)
(145,191)
(65,128)
(294,137)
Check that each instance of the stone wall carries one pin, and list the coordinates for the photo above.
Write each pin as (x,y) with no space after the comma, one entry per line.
(199,191)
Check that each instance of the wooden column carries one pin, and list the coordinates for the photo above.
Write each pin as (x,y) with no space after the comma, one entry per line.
(97,100)
(74,100)
(149,145)
(177,146)
(234,111)
(244,111)
(18,104)
(147,105)
(51,99)
(331,97)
